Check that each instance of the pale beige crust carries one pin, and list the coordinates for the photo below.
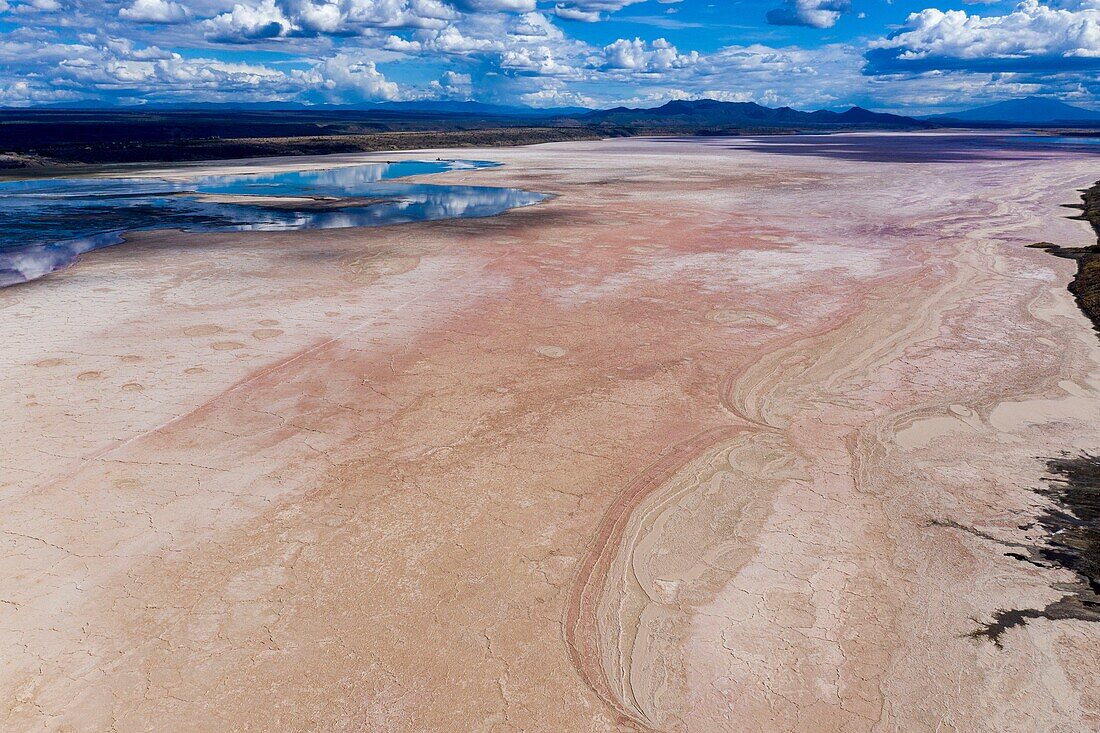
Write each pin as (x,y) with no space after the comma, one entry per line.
(685,448)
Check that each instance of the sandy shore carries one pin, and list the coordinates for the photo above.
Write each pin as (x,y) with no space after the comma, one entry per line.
(714,440)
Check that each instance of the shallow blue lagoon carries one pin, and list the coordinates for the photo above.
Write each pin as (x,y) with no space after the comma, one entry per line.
(46,224)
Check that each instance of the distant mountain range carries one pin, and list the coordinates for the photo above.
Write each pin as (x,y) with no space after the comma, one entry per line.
(709,113)
(87,133)
(699,115)
(1026,111)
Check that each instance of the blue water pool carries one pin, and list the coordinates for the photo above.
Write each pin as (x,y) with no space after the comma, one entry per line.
(46,224)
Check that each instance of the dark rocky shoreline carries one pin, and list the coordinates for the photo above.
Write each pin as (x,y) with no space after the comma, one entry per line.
(1085,285)
(1071,540)
(1070,520)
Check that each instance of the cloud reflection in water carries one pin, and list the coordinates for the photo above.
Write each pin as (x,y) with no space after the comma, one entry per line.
(49,223)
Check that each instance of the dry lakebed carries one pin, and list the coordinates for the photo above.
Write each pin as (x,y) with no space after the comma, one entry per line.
(686,435)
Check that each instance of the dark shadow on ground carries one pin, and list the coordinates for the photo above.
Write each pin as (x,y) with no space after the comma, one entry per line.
(921,148)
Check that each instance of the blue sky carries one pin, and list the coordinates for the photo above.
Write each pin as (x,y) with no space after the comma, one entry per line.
(906,55)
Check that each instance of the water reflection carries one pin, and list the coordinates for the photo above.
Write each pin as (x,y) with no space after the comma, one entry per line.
(48,223)
(354,180)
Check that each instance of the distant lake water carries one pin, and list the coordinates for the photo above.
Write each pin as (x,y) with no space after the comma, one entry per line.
(46,224)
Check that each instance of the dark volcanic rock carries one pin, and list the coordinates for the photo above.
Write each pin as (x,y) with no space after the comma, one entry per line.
(1085,285)
(1071,524)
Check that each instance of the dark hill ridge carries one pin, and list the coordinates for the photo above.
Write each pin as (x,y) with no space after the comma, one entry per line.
(1026,111)
(710,113)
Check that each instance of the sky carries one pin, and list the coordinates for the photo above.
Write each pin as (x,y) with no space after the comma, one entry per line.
(909,56)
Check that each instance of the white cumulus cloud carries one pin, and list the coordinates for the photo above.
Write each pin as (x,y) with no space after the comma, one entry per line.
(637,55)
(812,13)
(154,11)
(1033,36)
(344,78)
